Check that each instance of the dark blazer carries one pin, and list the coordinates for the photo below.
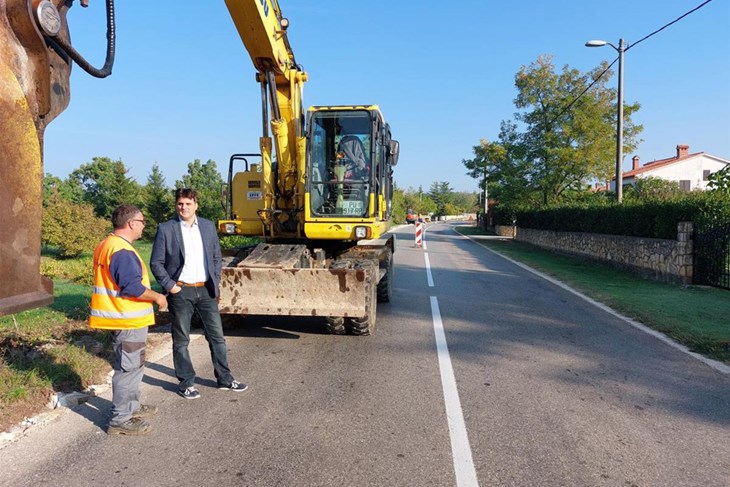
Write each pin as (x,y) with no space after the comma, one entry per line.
(168,255)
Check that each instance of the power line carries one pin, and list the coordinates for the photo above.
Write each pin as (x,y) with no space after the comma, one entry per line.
(667,25)
(626,49)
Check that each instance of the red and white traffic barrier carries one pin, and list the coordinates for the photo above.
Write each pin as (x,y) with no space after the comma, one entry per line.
(419,234)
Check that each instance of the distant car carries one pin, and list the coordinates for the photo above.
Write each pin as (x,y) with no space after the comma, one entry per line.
(411,217)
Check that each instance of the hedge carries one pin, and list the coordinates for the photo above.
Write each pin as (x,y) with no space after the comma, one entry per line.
(651,219)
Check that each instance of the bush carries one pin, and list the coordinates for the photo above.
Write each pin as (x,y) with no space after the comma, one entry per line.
(72,228)
(237,241)
(651,217)
(77,270)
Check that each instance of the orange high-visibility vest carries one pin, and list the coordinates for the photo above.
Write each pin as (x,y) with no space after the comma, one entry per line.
(109,309)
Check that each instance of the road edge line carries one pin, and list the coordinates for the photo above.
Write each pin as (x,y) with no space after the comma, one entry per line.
(717,365)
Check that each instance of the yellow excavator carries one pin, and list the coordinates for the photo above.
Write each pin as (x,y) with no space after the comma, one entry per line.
(318,193)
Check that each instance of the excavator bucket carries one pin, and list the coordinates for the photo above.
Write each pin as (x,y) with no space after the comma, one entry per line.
(253,287)
(33,91)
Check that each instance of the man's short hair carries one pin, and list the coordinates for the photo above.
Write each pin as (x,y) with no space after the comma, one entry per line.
(188,193)
(122,214)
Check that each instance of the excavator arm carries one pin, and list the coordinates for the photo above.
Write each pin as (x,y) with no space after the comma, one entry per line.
(326,253)
(263,31)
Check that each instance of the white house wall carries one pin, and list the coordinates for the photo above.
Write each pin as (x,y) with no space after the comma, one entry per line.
(691,169)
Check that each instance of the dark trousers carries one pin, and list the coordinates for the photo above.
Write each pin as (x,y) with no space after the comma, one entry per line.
(182,307)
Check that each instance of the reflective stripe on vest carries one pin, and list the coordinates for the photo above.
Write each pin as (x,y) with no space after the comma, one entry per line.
(108,292)
(109,308)
(121,315)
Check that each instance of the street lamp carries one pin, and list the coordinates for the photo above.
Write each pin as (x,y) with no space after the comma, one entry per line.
(620,119)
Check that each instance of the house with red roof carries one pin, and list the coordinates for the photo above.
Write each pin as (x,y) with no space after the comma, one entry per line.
(691,171)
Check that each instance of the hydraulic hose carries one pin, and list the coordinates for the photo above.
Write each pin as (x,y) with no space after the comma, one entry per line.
(106,70)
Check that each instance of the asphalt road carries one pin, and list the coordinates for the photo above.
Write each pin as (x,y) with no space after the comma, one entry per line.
(479,373)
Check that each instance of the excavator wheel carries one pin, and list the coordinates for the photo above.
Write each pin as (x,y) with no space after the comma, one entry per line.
(335,325)
(385,285)
(360,326)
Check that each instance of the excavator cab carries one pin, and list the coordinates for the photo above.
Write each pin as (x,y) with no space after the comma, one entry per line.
(349,159)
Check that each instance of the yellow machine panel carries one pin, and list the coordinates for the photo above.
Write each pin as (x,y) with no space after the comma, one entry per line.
(248,199)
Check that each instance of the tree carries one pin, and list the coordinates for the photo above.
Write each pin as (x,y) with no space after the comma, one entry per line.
(654,189)
(106,185)
(465,202)
(159,204)
(207,181)
(485,166)
(69,189)
(72,227)
(442,195)
(559,141)
(719,181)
(399,205)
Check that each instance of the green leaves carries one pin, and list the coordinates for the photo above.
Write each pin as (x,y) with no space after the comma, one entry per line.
(106,185)
(72,227)
(207,181)
(561,138)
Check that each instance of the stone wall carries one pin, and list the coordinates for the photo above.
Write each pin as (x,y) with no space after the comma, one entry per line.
(662,260)
(505,231)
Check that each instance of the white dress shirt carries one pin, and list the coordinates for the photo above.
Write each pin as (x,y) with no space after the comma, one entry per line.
(194,254)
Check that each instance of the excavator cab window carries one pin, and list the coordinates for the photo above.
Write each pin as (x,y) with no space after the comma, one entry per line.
(340,164)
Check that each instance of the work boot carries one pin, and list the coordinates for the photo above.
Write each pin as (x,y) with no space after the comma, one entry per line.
(134,426)
(145,411)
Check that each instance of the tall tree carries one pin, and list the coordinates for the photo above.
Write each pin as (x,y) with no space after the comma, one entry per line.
(562,137)
(106,185)
(68,189)
(466,202)
(442,194)
(158,200)
(207,181)
(569,145)
(486,164)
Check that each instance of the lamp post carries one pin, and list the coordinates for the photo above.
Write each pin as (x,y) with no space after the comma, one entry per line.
(620,118)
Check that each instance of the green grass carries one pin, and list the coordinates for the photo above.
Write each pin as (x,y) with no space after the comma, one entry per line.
(694,316)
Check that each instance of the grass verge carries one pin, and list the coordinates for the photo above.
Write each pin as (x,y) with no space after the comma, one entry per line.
(692,315)
(52,349)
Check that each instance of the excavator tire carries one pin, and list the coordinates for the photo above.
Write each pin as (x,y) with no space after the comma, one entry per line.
(360,326)
(385,285)
(335,325)
(365,325)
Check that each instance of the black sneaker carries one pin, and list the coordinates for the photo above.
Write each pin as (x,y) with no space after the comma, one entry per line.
(134,426)
(189,393)
(234,386)
(145,411)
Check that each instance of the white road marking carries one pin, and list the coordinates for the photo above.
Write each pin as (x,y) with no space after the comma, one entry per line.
(466,475)
(719,366)
(429,277)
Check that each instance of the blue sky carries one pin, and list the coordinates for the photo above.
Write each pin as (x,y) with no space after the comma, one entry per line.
(442,72)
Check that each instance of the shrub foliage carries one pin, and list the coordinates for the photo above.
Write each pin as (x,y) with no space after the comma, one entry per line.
(650,218)
(72,228)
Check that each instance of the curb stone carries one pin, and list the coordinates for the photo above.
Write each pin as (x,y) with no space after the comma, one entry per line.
(60,403)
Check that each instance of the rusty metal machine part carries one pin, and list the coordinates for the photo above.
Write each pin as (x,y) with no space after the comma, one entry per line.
(34,89)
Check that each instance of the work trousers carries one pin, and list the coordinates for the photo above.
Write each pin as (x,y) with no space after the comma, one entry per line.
(129,358)
(182,306)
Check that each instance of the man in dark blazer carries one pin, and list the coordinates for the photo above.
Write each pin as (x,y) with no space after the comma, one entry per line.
(186,261)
